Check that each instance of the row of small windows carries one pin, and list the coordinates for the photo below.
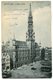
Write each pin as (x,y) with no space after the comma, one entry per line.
(23,50)
(23,58)
(5,60)
(23,54)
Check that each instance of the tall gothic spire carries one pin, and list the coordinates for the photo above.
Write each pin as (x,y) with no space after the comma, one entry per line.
(30,33)
(30,13)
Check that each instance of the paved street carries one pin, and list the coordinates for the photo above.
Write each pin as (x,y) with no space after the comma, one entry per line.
(25,71)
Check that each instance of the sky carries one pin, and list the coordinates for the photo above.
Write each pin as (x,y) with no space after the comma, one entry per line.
(15,21)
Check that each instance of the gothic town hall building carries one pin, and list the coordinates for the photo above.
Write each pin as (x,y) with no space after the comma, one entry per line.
(24,52)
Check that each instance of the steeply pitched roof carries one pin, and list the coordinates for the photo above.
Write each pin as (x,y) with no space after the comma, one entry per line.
(22,44)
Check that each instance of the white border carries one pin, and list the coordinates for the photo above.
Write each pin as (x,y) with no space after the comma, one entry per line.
(51,36)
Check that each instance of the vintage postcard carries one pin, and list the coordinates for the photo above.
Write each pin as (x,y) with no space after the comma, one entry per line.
(26,39)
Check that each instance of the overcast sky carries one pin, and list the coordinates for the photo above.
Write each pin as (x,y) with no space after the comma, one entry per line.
(15,21)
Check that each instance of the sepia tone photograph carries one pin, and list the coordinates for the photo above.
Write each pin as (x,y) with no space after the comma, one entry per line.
(26,39)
